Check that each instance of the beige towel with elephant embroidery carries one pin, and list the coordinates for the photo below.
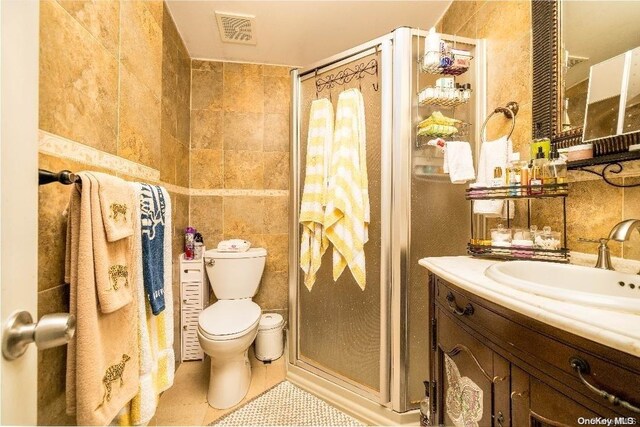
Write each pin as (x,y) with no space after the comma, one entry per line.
(112,254)
(102,358)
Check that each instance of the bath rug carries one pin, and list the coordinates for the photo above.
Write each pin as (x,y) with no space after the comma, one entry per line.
(286,405)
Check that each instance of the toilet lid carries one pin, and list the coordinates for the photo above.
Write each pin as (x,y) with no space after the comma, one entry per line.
(229,317)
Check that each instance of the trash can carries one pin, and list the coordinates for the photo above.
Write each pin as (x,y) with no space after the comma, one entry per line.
(269,342)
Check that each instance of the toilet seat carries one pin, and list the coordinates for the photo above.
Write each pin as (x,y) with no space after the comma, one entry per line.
(229,319)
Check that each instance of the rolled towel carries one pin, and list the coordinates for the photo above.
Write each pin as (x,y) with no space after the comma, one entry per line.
(234,245)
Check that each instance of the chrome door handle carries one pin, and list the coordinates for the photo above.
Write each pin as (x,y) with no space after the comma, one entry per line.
(52,330)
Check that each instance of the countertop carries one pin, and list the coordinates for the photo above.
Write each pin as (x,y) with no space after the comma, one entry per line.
(613,329)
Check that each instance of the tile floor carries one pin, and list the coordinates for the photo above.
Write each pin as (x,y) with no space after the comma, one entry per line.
(186,402)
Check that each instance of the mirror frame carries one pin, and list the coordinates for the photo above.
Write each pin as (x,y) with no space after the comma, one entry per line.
(547,85)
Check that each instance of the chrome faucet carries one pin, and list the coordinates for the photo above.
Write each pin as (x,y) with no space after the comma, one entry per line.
(604,255)
(622,230)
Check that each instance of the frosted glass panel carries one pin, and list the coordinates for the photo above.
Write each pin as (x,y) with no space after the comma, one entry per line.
(339,324)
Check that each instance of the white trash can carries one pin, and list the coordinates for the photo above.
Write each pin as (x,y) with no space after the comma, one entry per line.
(269,342)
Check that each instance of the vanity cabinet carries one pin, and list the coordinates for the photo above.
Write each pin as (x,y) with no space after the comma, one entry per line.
(494,366)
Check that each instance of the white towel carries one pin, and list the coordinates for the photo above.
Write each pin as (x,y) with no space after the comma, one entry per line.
(458,162)
(493,154)
(347,213)
(155,335)
(313,242)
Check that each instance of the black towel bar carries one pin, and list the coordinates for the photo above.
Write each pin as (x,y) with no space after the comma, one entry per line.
(65,177)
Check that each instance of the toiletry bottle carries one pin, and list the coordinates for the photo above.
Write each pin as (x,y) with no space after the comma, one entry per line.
(198,246)
(498,179)
(432,48)
(189,243)
(524,177)
(535,176)
(558,167)
(514,174)
(425,407)
(540,141)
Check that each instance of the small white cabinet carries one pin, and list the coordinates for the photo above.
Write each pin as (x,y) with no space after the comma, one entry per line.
(194,297)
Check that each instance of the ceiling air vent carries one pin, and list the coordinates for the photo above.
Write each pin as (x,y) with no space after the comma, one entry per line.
(236,28)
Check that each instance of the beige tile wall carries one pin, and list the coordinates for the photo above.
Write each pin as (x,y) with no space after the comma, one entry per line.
(593,207)
(240,141)
(114,76)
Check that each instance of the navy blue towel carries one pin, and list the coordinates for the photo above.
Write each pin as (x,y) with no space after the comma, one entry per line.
(152,219)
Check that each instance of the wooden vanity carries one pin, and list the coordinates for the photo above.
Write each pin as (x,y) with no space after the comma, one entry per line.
(491,365)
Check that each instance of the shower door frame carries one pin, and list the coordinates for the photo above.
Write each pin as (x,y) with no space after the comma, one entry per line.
(383,45)
(397,92)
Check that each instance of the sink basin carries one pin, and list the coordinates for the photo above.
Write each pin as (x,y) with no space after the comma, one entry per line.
(571,283)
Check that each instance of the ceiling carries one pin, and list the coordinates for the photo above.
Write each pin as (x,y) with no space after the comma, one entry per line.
(598,30)
(297,33)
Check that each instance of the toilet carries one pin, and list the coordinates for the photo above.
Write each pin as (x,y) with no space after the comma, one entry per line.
(227,328)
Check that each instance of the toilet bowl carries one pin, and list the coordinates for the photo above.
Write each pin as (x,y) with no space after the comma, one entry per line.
(225,331)
(227,328)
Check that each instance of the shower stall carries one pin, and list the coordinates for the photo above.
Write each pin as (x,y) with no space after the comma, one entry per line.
(373,344)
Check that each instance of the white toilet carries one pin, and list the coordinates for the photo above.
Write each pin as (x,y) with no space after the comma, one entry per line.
(227,328)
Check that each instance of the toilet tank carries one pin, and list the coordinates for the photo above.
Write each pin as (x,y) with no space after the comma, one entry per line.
(235,275)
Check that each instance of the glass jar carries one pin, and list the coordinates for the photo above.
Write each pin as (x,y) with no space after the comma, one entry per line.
(547,239)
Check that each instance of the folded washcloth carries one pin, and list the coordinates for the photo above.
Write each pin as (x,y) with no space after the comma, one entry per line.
(112,259)
(437,118)
(458,162)
(234,245)
(492,154)
(115,202)
(102,358)
(347,214)
(153,205)
(437,130)
(313,242)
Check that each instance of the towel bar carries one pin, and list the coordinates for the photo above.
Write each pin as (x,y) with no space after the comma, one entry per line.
(65,177)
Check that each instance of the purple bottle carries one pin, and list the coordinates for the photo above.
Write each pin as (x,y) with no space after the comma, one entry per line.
(189,243)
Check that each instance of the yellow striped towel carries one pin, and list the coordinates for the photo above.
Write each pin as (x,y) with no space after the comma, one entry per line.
(346,218)
(313,243)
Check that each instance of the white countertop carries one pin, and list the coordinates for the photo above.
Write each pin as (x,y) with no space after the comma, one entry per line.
(614,329)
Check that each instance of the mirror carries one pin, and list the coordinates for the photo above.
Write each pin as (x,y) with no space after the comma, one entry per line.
(632,104)
(603,98)
(569,37)
(593,32)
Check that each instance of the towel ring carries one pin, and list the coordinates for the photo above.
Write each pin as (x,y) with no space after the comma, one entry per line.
(510,112)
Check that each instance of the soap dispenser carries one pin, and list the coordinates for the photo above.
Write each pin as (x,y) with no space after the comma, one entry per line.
(540,141)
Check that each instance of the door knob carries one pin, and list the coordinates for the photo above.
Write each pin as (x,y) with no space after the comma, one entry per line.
(52,330)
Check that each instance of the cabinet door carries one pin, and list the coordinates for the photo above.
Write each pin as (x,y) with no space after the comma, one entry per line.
(464,376)
(534,403)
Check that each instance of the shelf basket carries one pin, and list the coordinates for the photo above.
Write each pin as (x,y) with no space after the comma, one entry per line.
(518,253)
(518,192)
(444,97)
(444,64)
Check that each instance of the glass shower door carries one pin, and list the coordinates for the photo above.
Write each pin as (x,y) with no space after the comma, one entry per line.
(340,331)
